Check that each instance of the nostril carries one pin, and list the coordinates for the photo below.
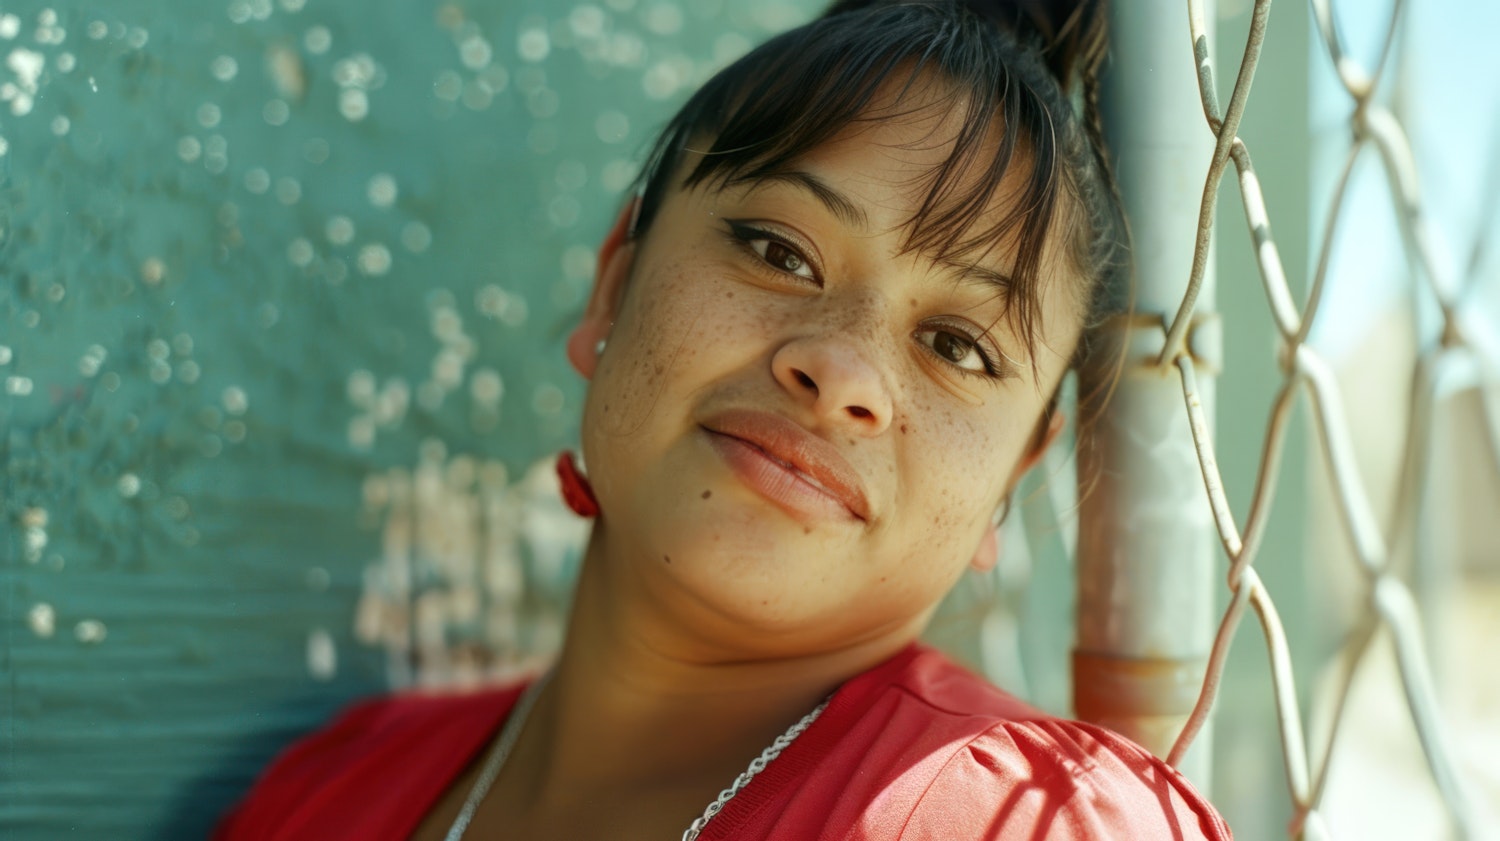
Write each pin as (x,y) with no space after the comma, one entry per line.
(860,412)
(806,381)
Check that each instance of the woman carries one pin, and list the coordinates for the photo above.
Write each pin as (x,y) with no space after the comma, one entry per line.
(823,347)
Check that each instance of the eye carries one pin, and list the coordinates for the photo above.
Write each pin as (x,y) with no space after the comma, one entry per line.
(782,256)
(957,348)
(775,251)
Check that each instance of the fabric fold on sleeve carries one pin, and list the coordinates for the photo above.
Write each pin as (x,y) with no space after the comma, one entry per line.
(1060,781)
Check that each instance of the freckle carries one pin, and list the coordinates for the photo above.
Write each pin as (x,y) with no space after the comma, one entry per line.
(667,558)
(903,426)
(914,302)
(882,579)
(729,294)
(807,529)
(707,494)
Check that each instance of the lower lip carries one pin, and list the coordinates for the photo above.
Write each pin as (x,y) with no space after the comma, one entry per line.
(779,484)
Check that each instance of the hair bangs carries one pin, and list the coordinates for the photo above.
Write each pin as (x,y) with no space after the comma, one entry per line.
(799,90)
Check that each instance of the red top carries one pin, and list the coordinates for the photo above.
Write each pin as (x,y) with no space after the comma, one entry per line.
(915,748)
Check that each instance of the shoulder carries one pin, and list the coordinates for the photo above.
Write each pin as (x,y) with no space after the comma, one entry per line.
(390,725)
(978,763)
(1060,779)
(399,744)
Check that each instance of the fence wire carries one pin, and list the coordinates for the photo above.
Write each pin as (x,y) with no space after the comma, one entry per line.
(1449,362)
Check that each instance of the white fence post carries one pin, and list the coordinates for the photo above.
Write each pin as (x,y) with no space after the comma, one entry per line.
(1146,556)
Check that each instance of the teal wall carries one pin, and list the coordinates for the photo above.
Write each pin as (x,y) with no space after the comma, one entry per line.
(237,369)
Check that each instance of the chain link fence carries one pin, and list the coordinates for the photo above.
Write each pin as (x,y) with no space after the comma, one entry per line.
(1385,547)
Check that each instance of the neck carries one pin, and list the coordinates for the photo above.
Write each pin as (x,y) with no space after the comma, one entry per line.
(638,701)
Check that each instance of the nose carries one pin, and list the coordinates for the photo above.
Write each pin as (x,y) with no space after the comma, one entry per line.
(839,382)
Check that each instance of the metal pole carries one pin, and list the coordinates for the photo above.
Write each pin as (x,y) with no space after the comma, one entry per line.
(1146,559)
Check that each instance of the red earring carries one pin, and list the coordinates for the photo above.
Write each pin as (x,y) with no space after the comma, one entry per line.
(575,488)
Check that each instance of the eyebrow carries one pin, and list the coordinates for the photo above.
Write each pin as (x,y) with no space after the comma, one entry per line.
(853,215)
(975,273)
(838,204)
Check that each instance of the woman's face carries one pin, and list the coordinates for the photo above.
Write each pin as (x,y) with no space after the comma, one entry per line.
(796,429)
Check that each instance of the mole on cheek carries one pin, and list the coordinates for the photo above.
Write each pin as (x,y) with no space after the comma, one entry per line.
(707,494)
(667,558)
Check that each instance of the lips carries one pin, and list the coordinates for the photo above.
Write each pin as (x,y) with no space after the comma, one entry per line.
(787,463)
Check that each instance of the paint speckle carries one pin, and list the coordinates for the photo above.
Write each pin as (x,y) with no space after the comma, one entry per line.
(318,579)
(90,632)
(322,655)
(42,619)
(381,190)
(374,260)
(235,401)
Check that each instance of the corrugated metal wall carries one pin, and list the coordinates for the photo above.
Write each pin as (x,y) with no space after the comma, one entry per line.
(279,276)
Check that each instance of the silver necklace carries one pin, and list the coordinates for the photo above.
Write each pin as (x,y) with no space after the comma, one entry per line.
(517,720)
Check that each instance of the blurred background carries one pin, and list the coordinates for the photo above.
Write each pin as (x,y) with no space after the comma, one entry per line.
(283,291)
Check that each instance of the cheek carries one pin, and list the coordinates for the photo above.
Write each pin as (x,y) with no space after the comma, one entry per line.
(651,337)
(958,461)
(679,327)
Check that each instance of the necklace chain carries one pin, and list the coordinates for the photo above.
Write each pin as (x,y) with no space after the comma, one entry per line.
(517,720)
(757,765)
(508,735)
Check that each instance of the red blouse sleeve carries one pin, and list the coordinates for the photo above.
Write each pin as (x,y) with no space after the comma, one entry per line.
(371,774)
(297,774)
(1060,781)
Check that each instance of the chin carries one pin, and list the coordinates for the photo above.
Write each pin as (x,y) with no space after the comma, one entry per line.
(757,572)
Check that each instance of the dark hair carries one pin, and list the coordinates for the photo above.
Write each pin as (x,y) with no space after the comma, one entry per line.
(1006,64)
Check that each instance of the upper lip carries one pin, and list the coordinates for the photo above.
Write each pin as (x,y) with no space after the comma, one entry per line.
(786,441)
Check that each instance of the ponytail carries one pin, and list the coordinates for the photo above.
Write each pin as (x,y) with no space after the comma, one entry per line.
(1072,37)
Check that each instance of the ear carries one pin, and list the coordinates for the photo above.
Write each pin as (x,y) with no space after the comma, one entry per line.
(1037,447)
(612,270)
(988,552)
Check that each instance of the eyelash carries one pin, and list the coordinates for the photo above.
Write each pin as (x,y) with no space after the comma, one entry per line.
(992,369)
(743,234)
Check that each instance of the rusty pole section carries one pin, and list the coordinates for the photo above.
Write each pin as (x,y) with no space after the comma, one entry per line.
(1146,557)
